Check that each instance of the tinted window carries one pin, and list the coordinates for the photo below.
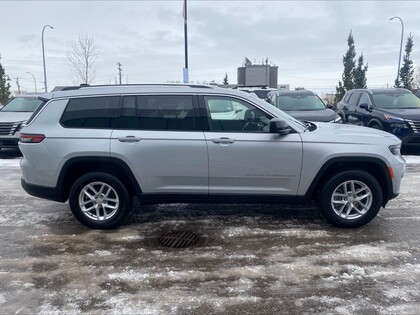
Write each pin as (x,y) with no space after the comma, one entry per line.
(148,112)
(353,98)
(90,112)
(346,97)
(299,102)
(22,104)
(364,99)
(232,115)
(396,100)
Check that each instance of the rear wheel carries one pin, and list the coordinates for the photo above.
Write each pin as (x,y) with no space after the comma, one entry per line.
(351,199)
(99,200)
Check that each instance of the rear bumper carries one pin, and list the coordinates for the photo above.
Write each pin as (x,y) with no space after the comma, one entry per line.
(49,193)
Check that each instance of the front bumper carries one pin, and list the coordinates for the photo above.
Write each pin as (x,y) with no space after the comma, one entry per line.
(412,140)
(9,142)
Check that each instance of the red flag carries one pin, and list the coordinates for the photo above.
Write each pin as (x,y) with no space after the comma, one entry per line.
(184,10)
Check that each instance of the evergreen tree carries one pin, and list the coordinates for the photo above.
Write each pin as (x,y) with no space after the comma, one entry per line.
(406,77)
(353,77)
(360,74)
(348,73)
(225,80)
(4,86)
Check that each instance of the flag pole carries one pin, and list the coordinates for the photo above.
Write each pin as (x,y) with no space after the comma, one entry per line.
(184,14)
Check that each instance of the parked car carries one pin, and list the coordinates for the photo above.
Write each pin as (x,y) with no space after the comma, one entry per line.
(99,146)
(394,110)
(261,92)
(13,115)
(303,105)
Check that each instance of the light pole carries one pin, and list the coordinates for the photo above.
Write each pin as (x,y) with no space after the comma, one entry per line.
(402,36)
(33,77)
(43,56)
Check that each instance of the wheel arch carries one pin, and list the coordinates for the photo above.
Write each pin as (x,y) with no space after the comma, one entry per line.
(375,121)
(374,166)
(76,167)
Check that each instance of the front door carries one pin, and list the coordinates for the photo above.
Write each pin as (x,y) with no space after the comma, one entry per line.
(244,157)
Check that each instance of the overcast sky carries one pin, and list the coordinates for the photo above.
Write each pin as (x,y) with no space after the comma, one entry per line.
(305,39)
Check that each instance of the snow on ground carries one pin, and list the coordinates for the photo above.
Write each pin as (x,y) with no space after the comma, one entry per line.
(251,259)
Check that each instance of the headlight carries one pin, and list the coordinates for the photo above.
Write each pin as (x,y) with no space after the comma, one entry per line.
(389,117)
(337,120)
(400,125)
(21,125)
(395,149)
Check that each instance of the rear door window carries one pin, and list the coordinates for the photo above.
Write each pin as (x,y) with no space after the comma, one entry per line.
(158,112)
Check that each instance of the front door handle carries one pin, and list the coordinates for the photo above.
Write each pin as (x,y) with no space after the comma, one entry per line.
(129,139)
(223,140)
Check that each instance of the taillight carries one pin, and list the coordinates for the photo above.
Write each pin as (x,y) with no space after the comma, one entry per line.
(31,138)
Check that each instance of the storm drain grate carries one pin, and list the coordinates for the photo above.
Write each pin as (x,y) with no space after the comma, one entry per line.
(178,239)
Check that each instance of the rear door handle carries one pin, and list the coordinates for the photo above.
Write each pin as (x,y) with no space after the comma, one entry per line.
(223,140)
(129,139)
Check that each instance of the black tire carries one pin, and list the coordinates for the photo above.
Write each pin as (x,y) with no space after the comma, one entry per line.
(376,125)
(114,201)
(343,118)
(356,211)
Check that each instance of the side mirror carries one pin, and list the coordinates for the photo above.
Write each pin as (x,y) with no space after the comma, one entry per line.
(279,126)
(364,106)
(330,106)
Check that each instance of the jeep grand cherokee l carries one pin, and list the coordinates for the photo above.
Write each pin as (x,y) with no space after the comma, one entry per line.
(98,147)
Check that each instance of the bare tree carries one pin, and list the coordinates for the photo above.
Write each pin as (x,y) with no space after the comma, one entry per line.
(82,59)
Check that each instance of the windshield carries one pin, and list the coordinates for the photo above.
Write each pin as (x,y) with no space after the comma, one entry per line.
(396,100)
(22,104)
(299,102)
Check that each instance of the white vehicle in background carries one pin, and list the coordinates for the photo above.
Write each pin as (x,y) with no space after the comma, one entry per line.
(261,92)
(13,115)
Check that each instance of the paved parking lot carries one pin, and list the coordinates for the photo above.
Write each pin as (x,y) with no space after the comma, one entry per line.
(250,258)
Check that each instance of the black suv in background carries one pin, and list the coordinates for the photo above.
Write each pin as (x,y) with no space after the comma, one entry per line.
(394,110)
(303,105)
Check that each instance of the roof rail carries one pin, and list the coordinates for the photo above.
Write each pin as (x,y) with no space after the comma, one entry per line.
(67,88)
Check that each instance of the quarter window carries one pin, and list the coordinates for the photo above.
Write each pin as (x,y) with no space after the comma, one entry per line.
(164,112)
(232,115)
(90,112)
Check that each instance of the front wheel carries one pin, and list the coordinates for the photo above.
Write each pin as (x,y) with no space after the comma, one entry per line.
(351,199)
(99,200)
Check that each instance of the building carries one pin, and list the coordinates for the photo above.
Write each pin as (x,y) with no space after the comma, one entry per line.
(257,74)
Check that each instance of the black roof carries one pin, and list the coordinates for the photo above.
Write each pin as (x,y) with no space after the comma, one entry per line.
(294,93)
(382,91)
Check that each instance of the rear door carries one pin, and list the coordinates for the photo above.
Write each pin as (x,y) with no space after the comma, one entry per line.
(244,157)
(159,138)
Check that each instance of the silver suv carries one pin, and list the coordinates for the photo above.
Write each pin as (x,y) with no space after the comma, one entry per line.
(98,147)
